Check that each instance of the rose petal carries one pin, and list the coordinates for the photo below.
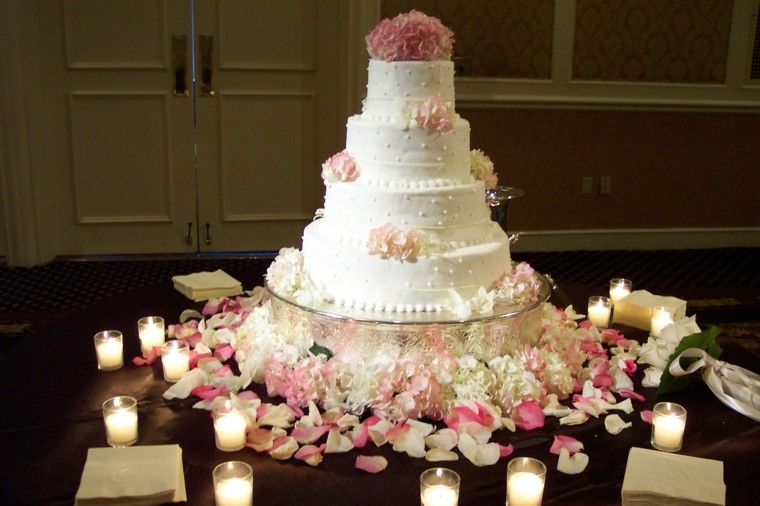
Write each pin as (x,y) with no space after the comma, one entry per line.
(259,439)
(310,454)
(479,454)
(444,439)
(505,451)
(279,415)
(615,425)
(647,415)
(308,435)
(378,432)
(628,393)
(337,442)
(570,443)
(440,455)
(577,417)
(554,408)
(283,448)
(574,464)
(528,415)
(373,464)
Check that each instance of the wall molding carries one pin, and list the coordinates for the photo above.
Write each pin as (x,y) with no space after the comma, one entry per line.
(637,239)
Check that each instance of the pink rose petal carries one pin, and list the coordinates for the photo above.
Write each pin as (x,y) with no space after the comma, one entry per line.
(308,435)
(647,415)
(223,352)
(505,451)
(528,415)
(628,393)
(572,445)
(310,454)
(371,464)
(259,439)
(208,392)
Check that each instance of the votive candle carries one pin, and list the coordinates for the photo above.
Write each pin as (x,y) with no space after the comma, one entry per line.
(662,316)
(175,359)
(439,486)
(229,427)
(599,310)
(151,332)
(668,424)
(109,349)
(120,417)
(525,482)
(619,288)
(233,484)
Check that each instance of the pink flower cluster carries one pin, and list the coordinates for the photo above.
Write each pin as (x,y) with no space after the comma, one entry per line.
(389,241)
(413,36)
(521,286)
(435,113)
(340,167)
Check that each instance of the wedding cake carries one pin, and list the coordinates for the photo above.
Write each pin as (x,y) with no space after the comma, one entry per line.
(405,226)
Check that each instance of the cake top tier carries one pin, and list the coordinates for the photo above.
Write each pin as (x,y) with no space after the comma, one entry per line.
(413,36)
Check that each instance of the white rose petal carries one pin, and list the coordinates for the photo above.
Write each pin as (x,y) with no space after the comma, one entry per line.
(571,464)
(652,377)
(615,425)
(577,417)
(440,455)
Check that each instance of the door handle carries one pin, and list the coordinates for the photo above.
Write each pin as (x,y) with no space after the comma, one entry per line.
(208,234)
(206,47)
(179,65)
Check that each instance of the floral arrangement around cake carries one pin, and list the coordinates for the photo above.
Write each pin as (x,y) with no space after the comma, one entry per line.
(426,407)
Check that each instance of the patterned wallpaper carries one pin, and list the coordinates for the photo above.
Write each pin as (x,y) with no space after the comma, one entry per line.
(675,41)
(501,38)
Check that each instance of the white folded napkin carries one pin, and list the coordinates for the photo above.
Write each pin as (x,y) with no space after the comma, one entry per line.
(139,475)
(635,309)
(659,478)
(207,285)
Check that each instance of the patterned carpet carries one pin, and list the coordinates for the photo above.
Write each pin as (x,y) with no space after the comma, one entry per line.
(721,285)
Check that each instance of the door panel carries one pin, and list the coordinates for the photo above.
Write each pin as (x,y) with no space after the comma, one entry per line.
(128,164)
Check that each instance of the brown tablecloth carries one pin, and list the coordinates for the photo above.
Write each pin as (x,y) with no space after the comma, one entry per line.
(50,414)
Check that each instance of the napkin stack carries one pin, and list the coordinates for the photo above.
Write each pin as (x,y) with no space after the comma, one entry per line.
(659,478)
(207,285)
(139,475)
(635,310)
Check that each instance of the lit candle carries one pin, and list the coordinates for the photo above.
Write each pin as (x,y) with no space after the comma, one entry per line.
(151,332)
(619,288)
(525,481)
(662,316)
(439,486)
(120,416)
(524,489)
(599,310)
(109,349)
(229,428)
(439,495)
(233,484)
(175,358)
(234,492)
(668,424)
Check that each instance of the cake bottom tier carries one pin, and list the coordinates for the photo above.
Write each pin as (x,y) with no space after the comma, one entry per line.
(355,279)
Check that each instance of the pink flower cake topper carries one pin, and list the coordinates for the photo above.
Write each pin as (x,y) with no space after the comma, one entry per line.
(413,36)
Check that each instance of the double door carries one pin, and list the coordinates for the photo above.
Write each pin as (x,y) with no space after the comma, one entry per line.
(185,125)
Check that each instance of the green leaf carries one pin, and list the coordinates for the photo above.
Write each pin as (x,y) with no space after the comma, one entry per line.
(317,350)
(705,340)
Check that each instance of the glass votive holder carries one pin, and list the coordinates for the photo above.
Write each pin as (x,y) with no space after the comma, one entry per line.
(109,349)
(233,484)
(525,481)
(175,359)
(120,417)
(151,332)
(668,424)
(661,317)
(439,486)
(229,427)
(619,288)
(599,309)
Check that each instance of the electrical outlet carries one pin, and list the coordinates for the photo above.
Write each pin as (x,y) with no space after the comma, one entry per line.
(586,184)
(605,185)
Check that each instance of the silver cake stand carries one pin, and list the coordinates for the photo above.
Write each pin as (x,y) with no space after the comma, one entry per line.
(421,335)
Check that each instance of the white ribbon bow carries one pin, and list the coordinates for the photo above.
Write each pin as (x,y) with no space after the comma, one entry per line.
(736,387)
